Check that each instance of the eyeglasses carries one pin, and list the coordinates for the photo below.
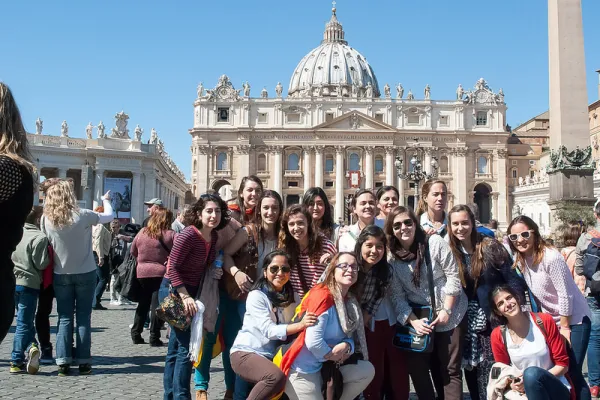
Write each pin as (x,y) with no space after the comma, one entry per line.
(346,267)
(274,269)
(409,223)
(515,236)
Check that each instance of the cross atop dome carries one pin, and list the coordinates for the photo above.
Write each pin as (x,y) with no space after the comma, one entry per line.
(334,33)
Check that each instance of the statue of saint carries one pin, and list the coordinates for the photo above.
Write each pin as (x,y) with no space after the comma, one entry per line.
(427,92)
(64,129)
(410,95)
(200,90)
(101,133)
(387,91)
(39,126)
(264,94)
(138,133)
(399,91)
(88,130)
(460,92)
(501,95)
(153,136)
(369,93)
(279,89)
(246,87)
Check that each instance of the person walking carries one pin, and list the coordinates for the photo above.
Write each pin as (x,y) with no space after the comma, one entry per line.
(101,240)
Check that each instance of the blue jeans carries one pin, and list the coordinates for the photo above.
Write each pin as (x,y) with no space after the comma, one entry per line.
(178,367)
(242,388)
(594,344)
(233,312)
(580,337)
(74,294)
(542,385)
(26,303)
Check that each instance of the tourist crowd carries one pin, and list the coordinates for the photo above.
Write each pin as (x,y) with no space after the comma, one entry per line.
(297,304)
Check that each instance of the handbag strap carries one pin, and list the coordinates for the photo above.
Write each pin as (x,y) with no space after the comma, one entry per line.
(429,268)
(164,246)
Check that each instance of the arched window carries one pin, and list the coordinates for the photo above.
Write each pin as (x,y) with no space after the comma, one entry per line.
(195,167)
(354,162)
(262,162)
(293,162)
(329,163)
(222,161)
(378,164)
(444,164)
(482,165)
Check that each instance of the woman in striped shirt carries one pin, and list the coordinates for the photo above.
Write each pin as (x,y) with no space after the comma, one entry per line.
(193,251)
(305,246)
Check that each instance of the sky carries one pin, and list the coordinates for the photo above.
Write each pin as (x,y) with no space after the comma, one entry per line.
(84,61)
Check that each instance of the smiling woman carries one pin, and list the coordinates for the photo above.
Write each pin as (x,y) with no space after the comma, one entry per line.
(364,205)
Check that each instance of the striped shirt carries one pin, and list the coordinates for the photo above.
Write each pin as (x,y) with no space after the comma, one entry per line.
(190,258)
(311,269)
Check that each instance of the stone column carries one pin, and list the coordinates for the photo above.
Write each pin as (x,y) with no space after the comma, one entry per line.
(243,155)
(494,198)
(502,213)
(307,171)
(202,179)
(427,159)
(98,184)
(277,172)
(400,184)
(460,175)
(340,175)
(368,170)
(319,166)
(389,165)
(137,206)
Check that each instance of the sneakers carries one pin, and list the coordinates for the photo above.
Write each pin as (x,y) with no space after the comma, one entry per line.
(16,368)
(33,362)
(46,358)
(64,370)
(85,369)
(595,391)
(115,302)
(201,395)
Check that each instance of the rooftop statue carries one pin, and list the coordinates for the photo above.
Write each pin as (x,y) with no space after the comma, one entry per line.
(279,89)
(410,95)
(399,91)
(387,91)
(427,92)
(200,90)
(153,136)
(101,133)
(246,88)
(460,92)
(39,126)
(138,133)
(64,129)
(88,130)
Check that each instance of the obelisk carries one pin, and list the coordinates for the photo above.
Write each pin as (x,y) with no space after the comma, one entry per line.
(571,166)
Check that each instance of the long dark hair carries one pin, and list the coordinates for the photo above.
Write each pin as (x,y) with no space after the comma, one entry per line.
(539,244)
(418,245)
(278,299)
(477,262)
(289,244)
(240,195)
(197,208)
(381,270)
(267,194)
(326,225)
(495,317)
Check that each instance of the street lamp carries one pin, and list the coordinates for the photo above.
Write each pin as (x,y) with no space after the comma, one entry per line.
(417,174)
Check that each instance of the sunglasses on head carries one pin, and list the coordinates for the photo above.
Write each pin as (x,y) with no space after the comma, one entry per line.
(346,267)
(525,235)
(398,225)
(274,269)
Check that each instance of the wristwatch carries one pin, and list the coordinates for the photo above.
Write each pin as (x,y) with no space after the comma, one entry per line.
(449,312)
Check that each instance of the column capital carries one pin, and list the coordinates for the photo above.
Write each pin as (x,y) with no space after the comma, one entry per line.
(390,150)
(242,149)
(339,149)
(495,195)
(319,149)
(369,149)
(460,151)
(430,150)
(307,149)
(501,153)
(275,149)
(203,149)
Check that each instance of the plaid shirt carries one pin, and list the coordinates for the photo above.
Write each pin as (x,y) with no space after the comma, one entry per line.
(368,301)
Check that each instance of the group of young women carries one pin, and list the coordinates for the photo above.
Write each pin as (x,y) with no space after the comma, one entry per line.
(310,308)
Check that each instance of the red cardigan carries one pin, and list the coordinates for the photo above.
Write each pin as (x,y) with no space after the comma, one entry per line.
(554,340)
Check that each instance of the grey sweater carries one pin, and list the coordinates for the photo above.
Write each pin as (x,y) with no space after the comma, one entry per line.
(31,257)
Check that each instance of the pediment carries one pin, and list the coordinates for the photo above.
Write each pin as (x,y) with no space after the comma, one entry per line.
(357,121)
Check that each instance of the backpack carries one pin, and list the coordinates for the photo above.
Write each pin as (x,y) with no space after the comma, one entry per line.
(591,258)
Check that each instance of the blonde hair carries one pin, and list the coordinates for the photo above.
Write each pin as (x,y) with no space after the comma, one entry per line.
(60,204)
(13,138)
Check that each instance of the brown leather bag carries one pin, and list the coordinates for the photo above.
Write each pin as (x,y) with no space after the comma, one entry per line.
(246,260)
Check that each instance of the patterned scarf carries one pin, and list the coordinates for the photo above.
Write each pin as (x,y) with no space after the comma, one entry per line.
(351,319)
(278,299)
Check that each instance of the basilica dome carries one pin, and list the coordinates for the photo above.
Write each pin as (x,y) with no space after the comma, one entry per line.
(333,69)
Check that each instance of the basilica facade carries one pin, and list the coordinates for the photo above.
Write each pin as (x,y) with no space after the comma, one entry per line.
(335,128)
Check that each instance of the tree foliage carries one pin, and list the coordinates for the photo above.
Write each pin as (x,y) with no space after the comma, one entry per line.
(575,212)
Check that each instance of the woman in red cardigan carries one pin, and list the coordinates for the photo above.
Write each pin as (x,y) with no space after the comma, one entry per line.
(531,343)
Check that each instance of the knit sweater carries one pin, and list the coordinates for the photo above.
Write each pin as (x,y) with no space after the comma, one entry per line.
(150,254)
(403,292)
(31,257)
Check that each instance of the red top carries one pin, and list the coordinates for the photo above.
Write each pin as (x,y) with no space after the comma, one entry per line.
(150,254)
(554,340)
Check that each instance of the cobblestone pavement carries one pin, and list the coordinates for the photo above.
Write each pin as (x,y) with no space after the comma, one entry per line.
(121,370)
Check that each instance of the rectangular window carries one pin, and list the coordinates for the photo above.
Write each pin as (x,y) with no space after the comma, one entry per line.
(481,118)
(329,184)
(515,173)
(292,183)
(411,185)
(413,119)
(329,164)
(223,114)
(328,117)
(379,117)
(263,118)
(378,184)
(293,118)
(444,121)
(514,162)
(379,165)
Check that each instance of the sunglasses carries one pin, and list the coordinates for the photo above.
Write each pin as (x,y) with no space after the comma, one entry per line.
(409,223)
(346,267)
(274,269)
(525,235)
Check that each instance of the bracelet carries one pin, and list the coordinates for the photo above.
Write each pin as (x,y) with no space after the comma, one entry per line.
(239,270)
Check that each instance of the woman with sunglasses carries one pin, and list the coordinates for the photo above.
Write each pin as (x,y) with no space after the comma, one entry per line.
(483,264)
(432,208)
(410,249)
(364,205)
(387,200)
(531,343)
(555,292)
(306,248)
(374,276)
(317,203)
(339,332)
(265,324)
